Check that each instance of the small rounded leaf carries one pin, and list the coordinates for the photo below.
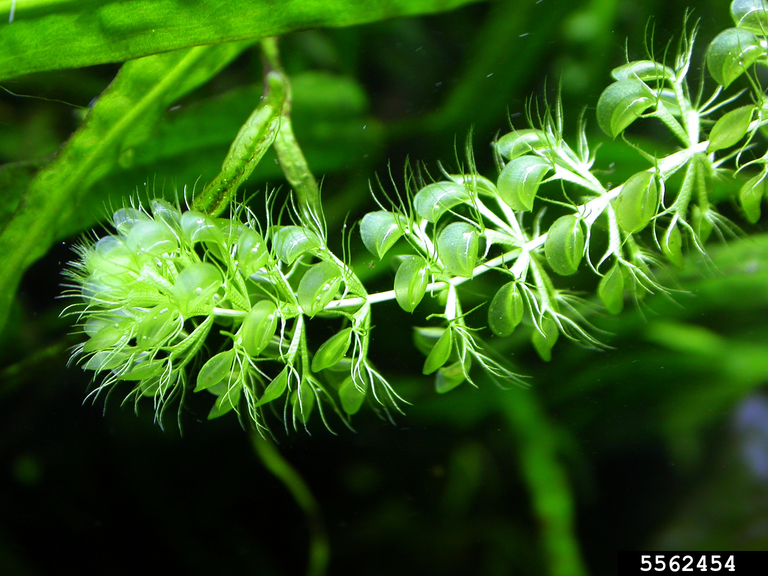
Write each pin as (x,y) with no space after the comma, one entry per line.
(380,230)
(197,227)
(545,340)
(351,396)
(411,280)
(332,350)
(731,128)
(702,222)
(637,202)
(126,218)
(259,327)
(440,353)
(458,246)
(520,142)
(275,388)
(672,245)
(645,70)
(731,53)
(519,181)
(434,200)
(506,310)
(751,196)
(151,238)
(158,324)
(621,104)
(251,252)
(303,401)
(425,337)
(290,242)
(195,287)
(564,246)
(448,377)
(165,211)
(751,15)
(611,290)
(318,287)
(218,369)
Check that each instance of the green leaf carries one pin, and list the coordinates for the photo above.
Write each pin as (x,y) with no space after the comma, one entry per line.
(520,142)
(152,238)
(637,202)
(449,377)
(252,252)
(225,403)
(194,288)
(351,396)
(275,388)
(506,310)
(621,104)
(457,246)
(380,230)
(751,195)
(303,401)
(436,199)
(411,280)
(259,327)
(730,128)
(440,353)
(672,245)
(750,15)
(332,350)
(611,289)
(199,227)
(157,325)
(218,369)
(290,242)
(121,118)
(425,337)
(519,181)
(545,340)
(564,246)
(54,34)
(731,53)
(644,70)
(318,287)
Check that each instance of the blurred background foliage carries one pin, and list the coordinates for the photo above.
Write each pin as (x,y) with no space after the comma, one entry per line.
(658,443)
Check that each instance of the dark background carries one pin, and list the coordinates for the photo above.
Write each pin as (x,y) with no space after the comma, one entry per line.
(663,439)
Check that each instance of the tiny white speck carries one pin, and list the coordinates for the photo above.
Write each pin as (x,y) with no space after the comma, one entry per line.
(489,75)
(524,35)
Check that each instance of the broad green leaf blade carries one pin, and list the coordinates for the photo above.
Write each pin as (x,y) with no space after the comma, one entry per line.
(440,353)
(54,34)
(643,70)
(411,280)
(458,246)
(379,231)
(519,182)
(637,202)
(290,242)
(318,287)
(436,199)
(124,115)
(730,128)
(259,327)
(506,310)
(751,195)
(564,246)
(731,53)
(621,104)
(611,290)
(332,350)
(750,14)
